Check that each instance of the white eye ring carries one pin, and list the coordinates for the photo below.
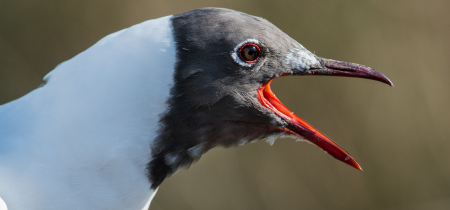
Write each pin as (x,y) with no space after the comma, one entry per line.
(237,58)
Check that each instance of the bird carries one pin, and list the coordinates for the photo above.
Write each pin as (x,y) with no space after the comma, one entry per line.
(108,126)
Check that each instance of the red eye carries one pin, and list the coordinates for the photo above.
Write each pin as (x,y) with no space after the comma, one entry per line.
(249,53)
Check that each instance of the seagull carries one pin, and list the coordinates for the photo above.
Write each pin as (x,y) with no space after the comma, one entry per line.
(109,125)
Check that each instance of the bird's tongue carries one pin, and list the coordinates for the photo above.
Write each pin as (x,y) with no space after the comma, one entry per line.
(302,128)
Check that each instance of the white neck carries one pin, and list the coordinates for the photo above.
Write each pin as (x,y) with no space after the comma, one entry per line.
(85,136)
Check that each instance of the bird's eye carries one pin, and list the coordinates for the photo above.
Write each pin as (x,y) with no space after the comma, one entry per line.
(249,53)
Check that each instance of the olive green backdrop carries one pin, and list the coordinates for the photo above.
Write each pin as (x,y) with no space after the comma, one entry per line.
(400,135)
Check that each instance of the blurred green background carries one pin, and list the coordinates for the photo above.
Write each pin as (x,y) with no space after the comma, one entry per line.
(400,135)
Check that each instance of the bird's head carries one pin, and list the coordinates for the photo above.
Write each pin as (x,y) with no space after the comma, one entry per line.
(226,61)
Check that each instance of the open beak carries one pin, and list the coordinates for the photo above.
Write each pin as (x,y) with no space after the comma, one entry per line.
(298,126)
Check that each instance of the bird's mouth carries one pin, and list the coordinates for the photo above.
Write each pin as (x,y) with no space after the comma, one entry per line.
(300,127)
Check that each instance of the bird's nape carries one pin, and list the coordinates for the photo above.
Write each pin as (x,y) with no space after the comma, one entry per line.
(113,122)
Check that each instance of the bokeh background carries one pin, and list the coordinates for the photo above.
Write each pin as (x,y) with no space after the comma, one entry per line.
(400,135)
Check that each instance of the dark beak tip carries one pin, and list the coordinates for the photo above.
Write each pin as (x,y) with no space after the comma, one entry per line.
(382,78)
(390,83)
(387,81)
(341,68)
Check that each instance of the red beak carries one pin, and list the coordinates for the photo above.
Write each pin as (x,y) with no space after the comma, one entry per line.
(302,128)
